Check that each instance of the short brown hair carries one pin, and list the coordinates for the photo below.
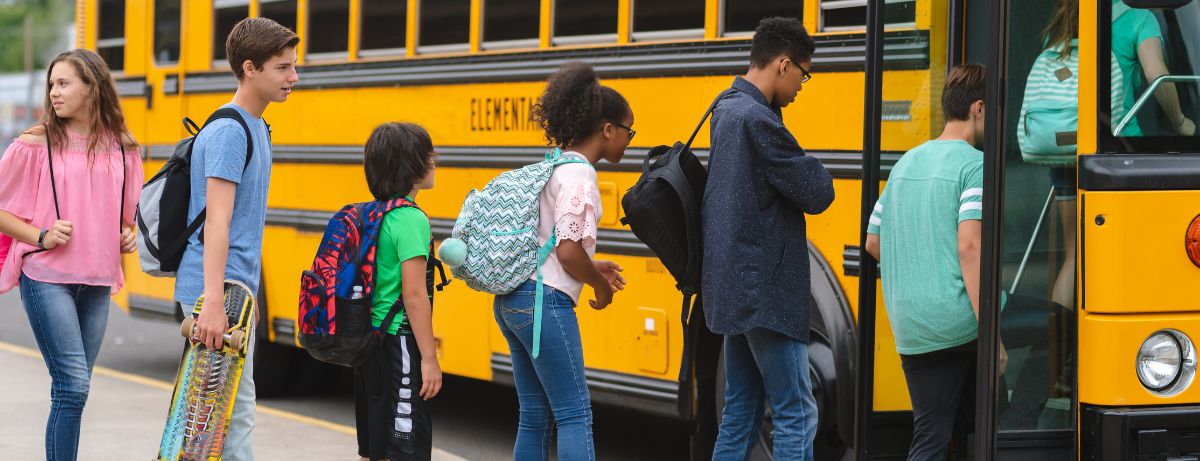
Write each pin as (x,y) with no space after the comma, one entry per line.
(397,156)
(257,40)
(966,84)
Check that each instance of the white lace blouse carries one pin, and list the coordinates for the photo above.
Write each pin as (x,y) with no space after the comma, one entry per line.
(570,205)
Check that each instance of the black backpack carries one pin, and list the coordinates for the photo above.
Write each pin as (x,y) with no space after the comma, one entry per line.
(163,228)
(663,210)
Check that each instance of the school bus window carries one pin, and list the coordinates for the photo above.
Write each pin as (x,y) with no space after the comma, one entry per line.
(585,21)
(445,26)
(666,19)
(384,26)
(851,15)
(511,23)
(741,16)
(166,31)
(226,13)
(328,29)
(110,37)
(281,11)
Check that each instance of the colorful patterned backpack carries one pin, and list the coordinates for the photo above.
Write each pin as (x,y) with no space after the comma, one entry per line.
(494,245)
(336,293)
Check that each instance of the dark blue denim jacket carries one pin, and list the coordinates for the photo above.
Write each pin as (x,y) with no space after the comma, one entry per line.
(760,185)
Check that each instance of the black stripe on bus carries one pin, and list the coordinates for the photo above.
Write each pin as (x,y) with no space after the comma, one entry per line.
(1130,172)
(841,164)
(610,241)
(905,50)
(648,395)
(132,87)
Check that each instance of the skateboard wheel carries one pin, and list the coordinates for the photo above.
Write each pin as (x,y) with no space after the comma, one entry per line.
(188,324)
(237,339)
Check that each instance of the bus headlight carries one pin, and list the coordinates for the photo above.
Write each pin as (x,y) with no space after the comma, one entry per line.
(1166,363)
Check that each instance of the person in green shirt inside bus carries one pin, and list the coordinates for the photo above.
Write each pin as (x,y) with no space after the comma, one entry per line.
(1138,46)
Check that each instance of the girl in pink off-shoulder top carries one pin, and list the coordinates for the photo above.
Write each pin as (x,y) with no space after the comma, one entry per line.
(68,188)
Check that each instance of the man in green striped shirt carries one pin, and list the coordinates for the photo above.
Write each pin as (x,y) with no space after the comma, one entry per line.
(925,231)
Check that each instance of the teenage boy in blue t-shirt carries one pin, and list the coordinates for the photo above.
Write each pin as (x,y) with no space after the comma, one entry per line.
(262,55)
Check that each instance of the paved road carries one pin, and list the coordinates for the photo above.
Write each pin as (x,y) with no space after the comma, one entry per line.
(474,420)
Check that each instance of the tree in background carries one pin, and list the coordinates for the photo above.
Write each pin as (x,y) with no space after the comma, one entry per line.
(36,27)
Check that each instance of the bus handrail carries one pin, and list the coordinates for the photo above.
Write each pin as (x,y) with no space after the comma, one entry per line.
(1146,96)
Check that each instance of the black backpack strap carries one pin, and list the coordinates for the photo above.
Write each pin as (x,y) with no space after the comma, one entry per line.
(691,302)
(121,211)
(391,315)
(229,112)
(53,187)
(224,112)
(703,119)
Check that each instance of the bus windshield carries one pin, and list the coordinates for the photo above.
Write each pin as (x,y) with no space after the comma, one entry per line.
(1154,86)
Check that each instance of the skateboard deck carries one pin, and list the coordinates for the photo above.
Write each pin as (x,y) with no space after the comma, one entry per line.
(207,383)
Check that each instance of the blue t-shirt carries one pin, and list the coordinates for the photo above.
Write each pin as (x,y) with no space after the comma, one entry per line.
(220,152)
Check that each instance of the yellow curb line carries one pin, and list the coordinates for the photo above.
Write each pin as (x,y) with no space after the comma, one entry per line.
(163,385)
(438,454)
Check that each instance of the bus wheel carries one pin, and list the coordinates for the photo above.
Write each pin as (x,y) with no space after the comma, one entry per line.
(827,445)
(271,365)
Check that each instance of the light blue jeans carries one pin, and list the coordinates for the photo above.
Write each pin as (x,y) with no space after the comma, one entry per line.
(68,323)
(553,385)
(238,443)
(763,361)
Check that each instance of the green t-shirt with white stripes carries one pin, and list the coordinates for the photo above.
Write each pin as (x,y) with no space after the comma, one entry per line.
(931,189)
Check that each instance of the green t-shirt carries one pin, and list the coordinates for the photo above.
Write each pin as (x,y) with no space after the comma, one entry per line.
(930,190)
(405,235)
(1133,27)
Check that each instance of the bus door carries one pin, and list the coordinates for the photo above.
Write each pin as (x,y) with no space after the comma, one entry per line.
(1025,406)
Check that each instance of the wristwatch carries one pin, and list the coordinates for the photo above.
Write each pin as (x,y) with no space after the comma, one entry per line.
(42,239)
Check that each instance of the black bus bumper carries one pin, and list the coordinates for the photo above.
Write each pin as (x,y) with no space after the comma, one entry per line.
(1143,434)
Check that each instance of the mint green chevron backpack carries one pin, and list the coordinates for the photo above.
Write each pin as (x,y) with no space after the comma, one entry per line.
(494,244)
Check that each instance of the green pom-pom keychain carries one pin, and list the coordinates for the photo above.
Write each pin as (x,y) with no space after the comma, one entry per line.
(453,252)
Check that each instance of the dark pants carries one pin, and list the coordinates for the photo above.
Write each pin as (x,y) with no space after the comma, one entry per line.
(392,419)
(941,385)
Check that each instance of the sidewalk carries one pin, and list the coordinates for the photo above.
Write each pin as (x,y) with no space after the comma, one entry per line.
(125,414)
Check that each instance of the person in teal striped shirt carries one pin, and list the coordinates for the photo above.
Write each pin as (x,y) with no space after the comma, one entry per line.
(925,231)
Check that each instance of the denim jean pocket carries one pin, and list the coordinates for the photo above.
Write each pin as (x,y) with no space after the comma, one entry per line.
(517,318)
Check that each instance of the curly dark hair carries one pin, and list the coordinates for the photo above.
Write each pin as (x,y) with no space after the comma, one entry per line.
(575,105)
(396,158)
(777,37)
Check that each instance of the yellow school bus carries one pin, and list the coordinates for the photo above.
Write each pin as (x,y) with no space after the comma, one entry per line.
(469,71)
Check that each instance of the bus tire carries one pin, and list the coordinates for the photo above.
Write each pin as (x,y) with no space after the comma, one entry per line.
(272,363)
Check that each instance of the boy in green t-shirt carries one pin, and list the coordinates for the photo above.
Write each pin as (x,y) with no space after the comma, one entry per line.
(390,389)
(925,232)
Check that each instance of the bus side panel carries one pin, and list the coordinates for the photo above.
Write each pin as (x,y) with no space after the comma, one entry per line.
(1134,259)
(1108,346)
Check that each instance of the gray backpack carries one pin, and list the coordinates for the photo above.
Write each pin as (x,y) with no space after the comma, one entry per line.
(163,227)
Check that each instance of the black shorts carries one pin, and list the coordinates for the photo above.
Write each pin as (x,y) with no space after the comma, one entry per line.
(392,419)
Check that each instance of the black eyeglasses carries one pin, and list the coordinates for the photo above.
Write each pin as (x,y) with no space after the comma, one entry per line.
(805,76)
(631,130)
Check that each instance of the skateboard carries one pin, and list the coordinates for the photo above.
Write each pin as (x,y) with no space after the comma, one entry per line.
(207,383)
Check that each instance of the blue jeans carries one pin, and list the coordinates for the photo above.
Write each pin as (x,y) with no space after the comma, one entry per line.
(68,323)
(554,384)
(763,360)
